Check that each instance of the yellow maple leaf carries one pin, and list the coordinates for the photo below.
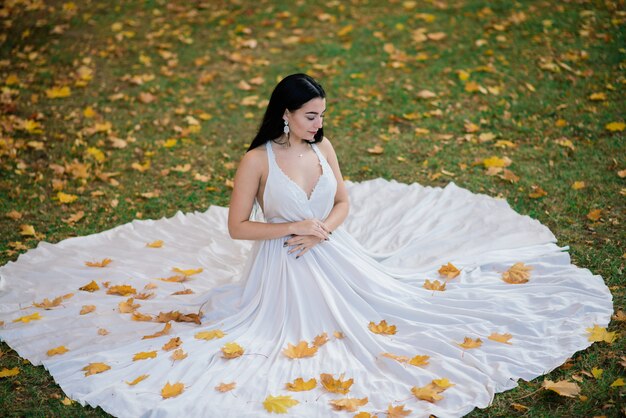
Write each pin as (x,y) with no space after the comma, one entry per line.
(299,385)
(49,304)
(179,278)
(155,244)
(225,387)
(619,382)
(320,339)
(138,316)
(598,334)
(562,387)
(189,272)
(170,391)
(138,379)
(67,401)
(143,355)
(382,328)
(58,92)
(615,126)
(597,373)
(428,393)
(87,309)
(597,96)
(299,351)
(232,350)
(577,185)
(397,411)
(336,385)
(209,335)
(128,306)
(501,338)
(102,263)
(594,215)
(164,331)
(27,318)
(470,343)
(9,372)
(279,404)
(442,383)
(56,351)
(419,360)
(537,192)
(92,286)
(364,414)
(122,290)
(517,274)
(449,271)
(338,334)
(434,285)
(172,344)
(348,404)
(95,368)
(401,359)
(66,198)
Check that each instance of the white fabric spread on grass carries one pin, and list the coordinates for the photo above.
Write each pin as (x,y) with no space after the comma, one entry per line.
(372,268)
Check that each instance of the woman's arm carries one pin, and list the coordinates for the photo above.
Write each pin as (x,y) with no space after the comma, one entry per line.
(342,204)
(246,186)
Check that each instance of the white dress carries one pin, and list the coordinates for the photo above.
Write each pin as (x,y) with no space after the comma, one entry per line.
(373,268)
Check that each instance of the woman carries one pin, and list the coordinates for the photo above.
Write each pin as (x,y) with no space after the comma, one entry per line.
(424,299)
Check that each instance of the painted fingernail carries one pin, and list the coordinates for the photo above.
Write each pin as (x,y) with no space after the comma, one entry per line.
(284,244)
(297,257)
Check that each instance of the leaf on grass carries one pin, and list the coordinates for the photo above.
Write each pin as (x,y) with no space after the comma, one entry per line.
(382,328)
(9,372)
(336,385)
(170,391)
(598,334)
(209,335)
(138,379)
(27,318)
(619,382)
(95,368)
(225,387)
(102,263)
(87,309)
(172,344)
(57,351)
(122,290)
(594,215)
(562,387)
(501,338)
(348,404)
(615,126)
(517,274)
(92,286)
(67,401)
(597,373)
(300,385)
(164,331)
(470,343)
(449,271)
(299,351)
(279,404)
(232,350)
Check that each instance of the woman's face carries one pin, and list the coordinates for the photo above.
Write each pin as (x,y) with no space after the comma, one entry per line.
(306,121)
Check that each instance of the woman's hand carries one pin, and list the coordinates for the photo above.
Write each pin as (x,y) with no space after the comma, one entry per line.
(313,227)
(302,243)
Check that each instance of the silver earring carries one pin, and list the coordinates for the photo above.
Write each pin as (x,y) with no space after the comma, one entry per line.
(286,128)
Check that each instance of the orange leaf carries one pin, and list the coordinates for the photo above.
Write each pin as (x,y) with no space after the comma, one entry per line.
(155,244)
(299,385)
(172,344)
(470,343)
(49,304)
(102,331)
(232,350)
(178,354)
(320,340)
(87,309)
(165,330)
(376,150)
(419,360)
(336,385)
(58,350)
(95,368)
(122,290)
(449,271)
(382,328)
(138,316)
(299,351)
(170,391)
(138,379)
(178,317)
(434,285)
(517,274)
(143,355)
(401,359)
(225,387)
(427,393)
(338,334)
(501,338)
(397,411)
(92,286)
(102,263)
(175,279)
(144,296)
(594,215)
(128,306)
(348,404)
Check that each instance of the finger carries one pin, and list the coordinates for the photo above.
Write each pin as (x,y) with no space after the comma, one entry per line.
(304,251)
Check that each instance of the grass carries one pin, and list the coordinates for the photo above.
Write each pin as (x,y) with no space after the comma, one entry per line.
(536,63)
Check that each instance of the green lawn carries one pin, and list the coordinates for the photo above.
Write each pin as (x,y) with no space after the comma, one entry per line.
(440,86)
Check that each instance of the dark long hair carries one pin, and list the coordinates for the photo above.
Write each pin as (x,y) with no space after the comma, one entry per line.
(290,93)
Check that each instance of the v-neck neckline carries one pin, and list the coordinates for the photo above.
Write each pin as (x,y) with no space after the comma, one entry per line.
(319,160)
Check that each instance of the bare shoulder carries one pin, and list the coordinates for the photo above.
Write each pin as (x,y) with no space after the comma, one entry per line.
(326,147)
(255,157)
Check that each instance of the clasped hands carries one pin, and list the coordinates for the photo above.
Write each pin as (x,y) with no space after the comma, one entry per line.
(306,235)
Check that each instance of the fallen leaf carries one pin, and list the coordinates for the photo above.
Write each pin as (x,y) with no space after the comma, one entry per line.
(299,385)
(87,309)
(320,340)
(102,331)
(102,263)
(138,379)
(469,343)
(232,350)
(184,292)
(172,344)
(376,150)
(49,304)
(27,318)
(143,355)
(67,401)
(128,306)
(429,393)
(155,244)
(597,373)
(122,290)
(434,285)
(299,351)
(598,334)
(178,354)
(348,404)
(9,372)
(279,404)
(189,272)
(209,335)
(594,215)
(619,382)
(518,273)
(449,271)
(501,338)
(382,328)
(170,391)
(225,387)
(419,360)
(519,407)
(95,368)
(164,331)
(397,411)
(336,385)
(615,126)
(562,387)
(92,286)
(57,351)
(537,192)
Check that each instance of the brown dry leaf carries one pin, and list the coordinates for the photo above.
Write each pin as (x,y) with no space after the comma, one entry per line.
(27,318)
(102,331)
(501,338)
(232,350)
(562,387)
(138,379)
(209,335)
(519,407)
(15,215)
(9,372)
(138,316)
(470,343)
(164,331)
(49,304)
(178,317)
(382,328)
(619,316)
(376,150)
(517,274)
(449,271)
(144,296)
(434,285)
(299,385)
(87,309)
(143,355)
(225,387)
(178,354)
(320,339)
(155,244)
(299,351)
(184,292)
(577,185)
(594,215)
(95,368)
(537,192)
(336,385)
(348,404)
(170,391)
(122,290)
(92,286)
(102,263)
(397,411)
(128,306)
(172,344)
(279,404)
(56,351)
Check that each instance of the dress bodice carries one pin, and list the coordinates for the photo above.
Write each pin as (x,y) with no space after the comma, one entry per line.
(286,201)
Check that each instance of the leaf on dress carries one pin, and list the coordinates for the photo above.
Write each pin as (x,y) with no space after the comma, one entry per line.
(143,355)
(397,411)
(300,385)
(57,351)
(184,292)
(144,296)
(279,404)
(382,328)
(189,272)
(138,379)
(178,317)
(172,344)
(102,331)
(87,309)
(122,290)
(470,343)
(348,404)
(320,340)
(95,368)
(178,354)
(9,372)
(92,286)
(232,350)
(501,338)
(299,351)
(339,335)
(225,387)
(517,274)
(434,285)
(449,271)
(128,306)
(138,316)
(27,318)
(155,244)
(401,359)
(209,335)
(170,391)
(102,263)
(164,331)
(49,304)
(179,278)
(562,387)
(336,385)
(431,392)
(598,334)
(419,360)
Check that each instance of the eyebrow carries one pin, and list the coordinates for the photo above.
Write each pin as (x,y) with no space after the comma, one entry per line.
(315,113)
